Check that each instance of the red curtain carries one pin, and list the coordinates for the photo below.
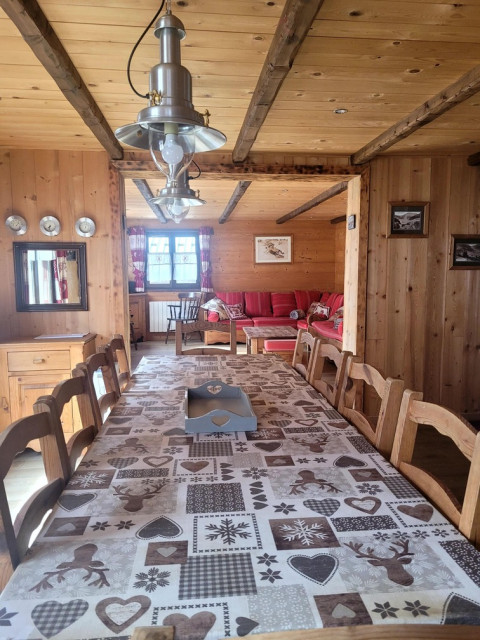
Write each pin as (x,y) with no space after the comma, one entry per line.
(138,245)
(205,265)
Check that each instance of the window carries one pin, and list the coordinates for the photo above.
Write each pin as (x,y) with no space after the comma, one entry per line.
(172,260)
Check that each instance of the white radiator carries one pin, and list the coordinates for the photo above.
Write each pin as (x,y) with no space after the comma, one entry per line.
(158,314)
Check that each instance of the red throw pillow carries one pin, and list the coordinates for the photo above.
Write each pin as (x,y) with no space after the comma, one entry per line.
(258,304)
(305,298)
(283,304)
(235,311)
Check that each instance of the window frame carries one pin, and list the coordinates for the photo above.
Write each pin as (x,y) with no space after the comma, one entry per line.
(172,235)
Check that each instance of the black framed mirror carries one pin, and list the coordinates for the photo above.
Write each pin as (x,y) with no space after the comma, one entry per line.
(50,276)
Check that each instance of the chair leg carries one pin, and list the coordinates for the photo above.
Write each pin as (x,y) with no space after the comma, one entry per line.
(168,331)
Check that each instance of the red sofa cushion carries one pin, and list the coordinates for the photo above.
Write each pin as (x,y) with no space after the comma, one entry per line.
(274,322)
(283,303)
(325,328)
(258,303)
(248,322)
(305,298)
(279,345)
(337,303)
(231,297)
(302,324)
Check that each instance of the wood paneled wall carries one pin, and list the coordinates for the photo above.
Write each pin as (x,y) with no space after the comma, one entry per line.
(68,185)
(422,317)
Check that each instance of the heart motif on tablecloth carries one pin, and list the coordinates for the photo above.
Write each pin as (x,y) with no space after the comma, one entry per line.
(118,614)
(368,504)
(460,610)
(279,423)
(189,465)
(348,461)
(162,526)
(268,446)
(194,628)
(51,617)
(121,463)
(157,461)
(319,568)
(72,501)
(307,423)
(118,420)
(419,511)
(342,611)
(166,552)
(245,625)
(326,507)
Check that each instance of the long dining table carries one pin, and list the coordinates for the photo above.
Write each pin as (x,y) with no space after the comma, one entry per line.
(298,524)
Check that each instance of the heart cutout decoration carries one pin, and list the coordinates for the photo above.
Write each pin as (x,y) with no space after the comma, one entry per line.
(368,504)
(121,613)
(319,568)
(214,389)
(51,617)
(245,625)
(422,512)
(194,628)
(157,461)
(220,420)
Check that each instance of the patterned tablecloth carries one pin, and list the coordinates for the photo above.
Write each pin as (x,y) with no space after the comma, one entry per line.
(299,524)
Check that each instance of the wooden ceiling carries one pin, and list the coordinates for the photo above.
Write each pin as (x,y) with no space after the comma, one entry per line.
(391,64)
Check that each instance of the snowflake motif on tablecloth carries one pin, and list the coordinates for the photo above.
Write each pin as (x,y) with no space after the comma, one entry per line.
(284,508)
(124,524)
(90,479)
(241,447)
(319,459)
(217,434)
(370,489)
(416,608)
(228,531)
(267,559)
(381,535)
(385,610)
(151,580)
(100,526)
(304,532)
(5,617)
(270,575)
(419,534)
(88,463)
(255,473)
(441,533)
(303,460)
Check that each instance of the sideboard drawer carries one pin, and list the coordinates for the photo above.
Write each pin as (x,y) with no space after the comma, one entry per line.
(38,360)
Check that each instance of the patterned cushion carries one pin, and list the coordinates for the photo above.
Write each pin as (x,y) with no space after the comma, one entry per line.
(305,298)
(297,314)
(283,304)
(235,311)
(337,315)
(319,309)
(216,305)
(257,303)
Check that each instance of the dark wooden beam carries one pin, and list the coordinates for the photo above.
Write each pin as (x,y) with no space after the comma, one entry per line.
(146,192)
(338,220)
(41,38)
(322,197)
(240,189)
(225,171)
(293,26)
(474,159)
(465,87)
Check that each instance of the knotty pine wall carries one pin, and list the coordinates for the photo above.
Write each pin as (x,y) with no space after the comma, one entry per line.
(68,185)
(423,319)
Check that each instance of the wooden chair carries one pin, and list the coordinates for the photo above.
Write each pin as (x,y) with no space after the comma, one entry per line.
(186,310)
(414,412)
(305,354)
(329,371)
(15,536)
(79,388)
(105,363)
(119,351)
(380,429)
(182,328)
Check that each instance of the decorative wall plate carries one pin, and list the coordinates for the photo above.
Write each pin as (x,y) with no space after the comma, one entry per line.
(85,227)
(50,226)
(16,224)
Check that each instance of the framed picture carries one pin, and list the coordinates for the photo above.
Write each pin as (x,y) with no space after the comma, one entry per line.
(465,252)
(272,249)
(408,220)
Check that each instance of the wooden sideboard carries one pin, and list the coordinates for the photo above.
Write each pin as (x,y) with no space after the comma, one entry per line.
(30,368)
(136,302)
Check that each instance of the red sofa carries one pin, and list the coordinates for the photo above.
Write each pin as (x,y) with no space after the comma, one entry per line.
(264,308)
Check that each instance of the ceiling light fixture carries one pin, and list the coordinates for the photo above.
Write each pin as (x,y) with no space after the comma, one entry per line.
(176,198)
(170,127)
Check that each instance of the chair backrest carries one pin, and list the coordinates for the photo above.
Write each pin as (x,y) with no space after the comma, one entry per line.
(304,355)
(78,388)
(380,429)
(414,412)
(119,351)
(15,537)
(103,363)
(187,308)
(329,371)
(182,328)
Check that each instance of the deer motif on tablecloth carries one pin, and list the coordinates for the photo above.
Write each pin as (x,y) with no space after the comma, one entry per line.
(308,477)
(315,446)
(394,564)
(134,501)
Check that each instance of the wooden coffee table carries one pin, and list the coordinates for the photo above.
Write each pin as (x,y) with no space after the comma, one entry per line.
(256,336)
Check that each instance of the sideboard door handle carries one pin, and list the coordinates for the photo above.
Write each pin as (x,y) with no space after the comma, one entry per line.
(38,360)
(4,403)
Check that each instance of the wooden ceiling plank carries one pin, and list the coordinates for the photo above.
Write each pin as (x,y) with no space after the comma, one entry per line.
(237,195)
(322,197)
(458,92)
(41,38)
(142,186)
(295,22)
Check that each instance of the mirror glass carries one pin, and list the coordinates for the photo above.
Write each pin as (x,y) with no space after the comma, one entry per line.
(50,276)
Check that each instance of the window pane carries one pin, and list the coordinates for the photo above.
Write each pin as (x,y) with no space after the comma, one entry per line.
(159,269)
(185,260)
(158,244)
